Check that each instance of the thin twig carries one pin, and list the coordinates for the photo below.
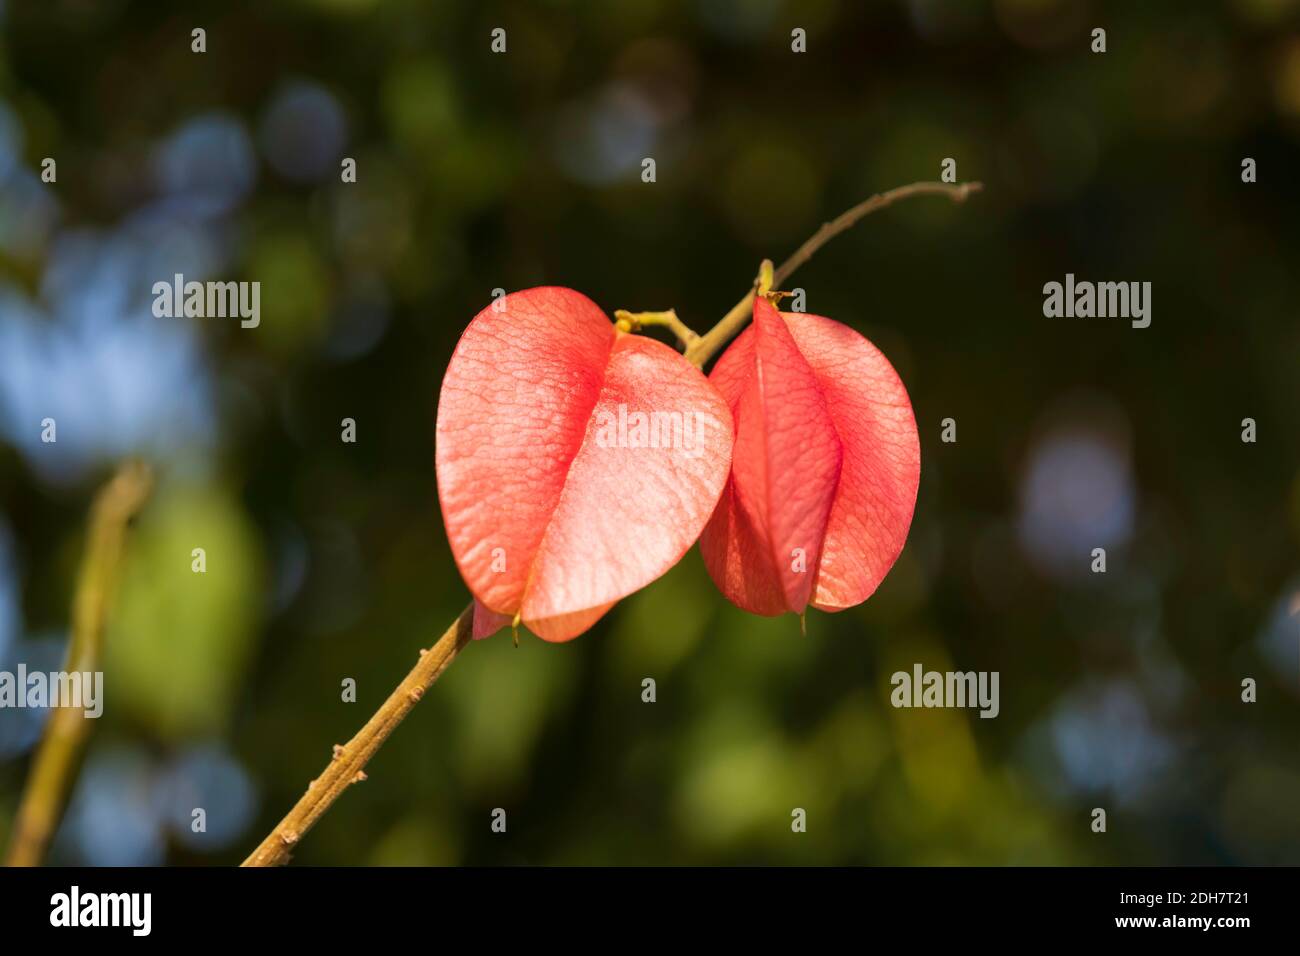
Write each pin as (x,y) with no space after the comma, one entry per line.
(348,765)
(59,753)
(349,759)
(712,341)
(631,321)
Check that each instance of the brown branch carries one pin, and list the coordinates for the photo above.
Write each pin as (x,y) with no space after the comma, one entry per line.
(712,341)
(349,759)
(64,738)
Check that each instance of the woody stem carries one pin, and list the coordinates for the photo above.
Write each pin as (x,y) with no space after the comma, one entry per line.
(712,341)
(349,761)
(59,754)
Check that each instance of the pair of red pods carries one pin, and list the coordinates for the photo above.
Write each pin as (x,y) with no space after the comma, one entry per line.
(578,462)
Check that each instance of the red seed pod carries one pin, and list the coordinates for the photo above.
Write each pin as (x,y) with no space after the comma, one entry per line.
(825,467)
(576,463)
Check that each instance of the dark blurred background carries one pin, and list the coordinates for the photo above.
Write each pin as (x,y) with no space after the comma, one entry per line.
(478,171)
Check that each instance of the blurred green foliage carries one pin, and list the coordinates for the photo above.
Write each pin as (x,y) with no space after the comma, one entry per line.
(178,646)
